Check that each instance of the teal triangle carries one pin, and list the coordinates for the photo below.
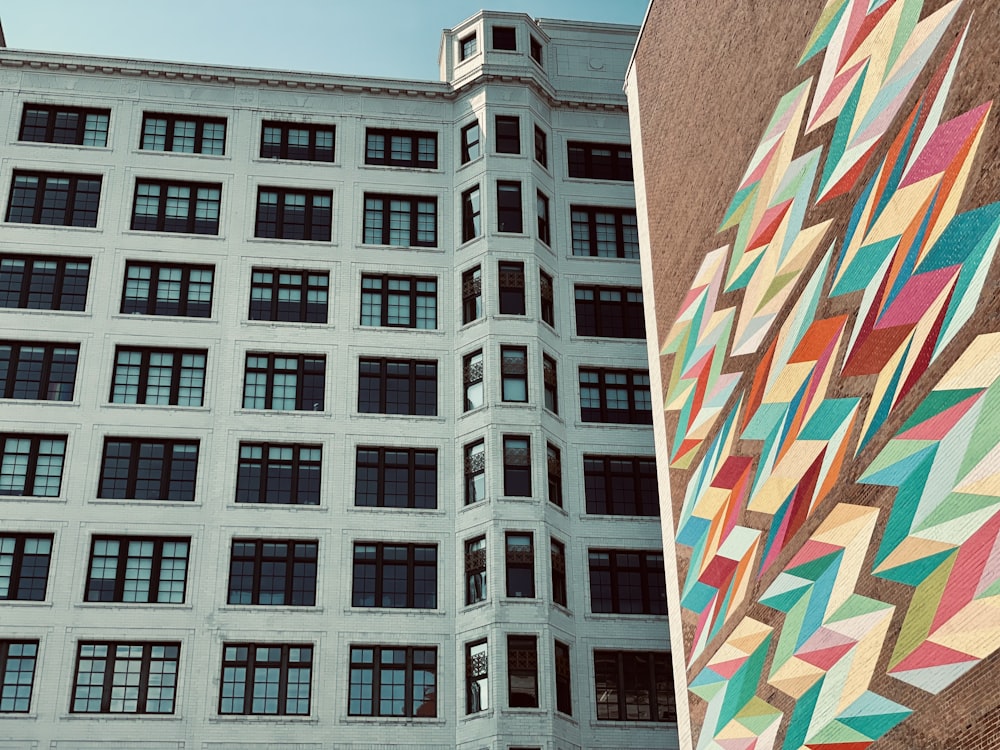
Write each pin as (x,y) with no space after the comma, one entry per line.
(916,572)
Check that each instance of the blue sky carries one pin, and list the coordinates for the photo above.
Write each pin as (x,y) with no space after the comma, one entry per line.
(392,38)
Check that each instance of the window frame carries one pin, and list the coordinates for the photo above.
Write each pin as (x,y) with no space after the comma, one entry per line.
(304,473)
(279,310)
(511,287)
(150,375)
(416,300)
(472,214)
(611,482)
(477,677)
(297,584)
(80,209)
(522,665)
(287,665)
(550,383)
(414,378)
(508,34)
(557,563)
(517,466)
(385,214)
(507,134)
(588,243)
(17,372)
(514,374)
(9,468)
(553,471)
(146,661)
(314,152)
(125,571)
(419,461)
(189,292)
(476,581)
(617,576)
(541,147)
(608,318)
(633,388)
(474,465)
(310,378)
(14,689)
(317,219)
(535,50)
(519,561)
(621,688)
(471,142)
(174,119)
(22,570)
(411,598)
(509,208)
(582,163)
(473,386)
(472,295)
(544,220)
(53,112)
(192,223)
(562,661)
(375,673)
(467,47)
(546,296)
(133,469)
(387,160)
(55,290)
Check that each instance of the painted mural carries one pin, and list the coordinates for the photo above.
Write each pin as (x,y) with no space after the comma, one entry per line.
(772,442)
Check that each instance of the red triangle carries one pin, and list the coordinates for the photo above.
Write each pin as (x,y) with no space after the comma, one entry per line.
(825,658)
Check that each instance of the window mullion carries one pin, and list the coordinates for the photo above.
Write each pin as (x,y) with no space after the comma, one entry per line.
(14,592)
(109,677)
(156,564)
(167,473)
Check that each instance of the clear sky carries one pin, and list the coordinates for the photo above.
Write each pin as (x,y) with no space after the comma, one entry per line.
(392,38)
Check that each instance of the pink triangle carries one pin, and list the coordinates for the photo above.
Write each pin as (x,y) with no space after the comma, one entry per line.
(698,366)
(728,668)
(758,171)
(944,144)
(691,296)
(936,427)
(836,86)
(964,578)
(929,654)
(811,550)
(916,297)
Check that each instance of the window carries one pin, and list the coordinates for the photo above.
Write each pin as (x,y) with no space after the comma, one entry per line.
(558,560)
(159,376)
(543,218)
(634,686)
(401,148)
(547,297)
(554,472)
(605,232)
(287,140)
(508,135)
(286,382)
(614,312)
(522,671)
(475,472)
(520,565)
(620,486)
(291,295)
(162,289)
(69,200)
(511,285)
(42,123)
(396,478)
(600,161)
(35,282)
(475,570)
(541,147)
(627,582)
(397,386)
(288,214)
(125,678)
(619,396)
(395,575)
(472,380)
(393,681)
(514,374)
(477,677)
(472,295)
(266,679)
(467,47)
(17,675)
(31,465)
(400,220)
(37,370)
(280,473)
(148,469)
(505,38)
(24,566)
(189,207)
(509,207)
(517,466)
(470,142)
(399,302)
(564,681)
(273,572)
(137,570)
(472,226)
(535,48)
(183,134)
(550,379)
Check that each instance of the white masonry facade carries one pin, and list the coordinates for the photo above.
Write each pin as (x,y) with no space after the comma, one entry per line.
(324,405)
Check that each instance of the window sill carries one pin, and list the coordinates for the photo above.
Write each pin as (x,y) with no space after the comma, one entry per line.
(395,510)
(75,146)
(12,402)
(181,154)
(41,311)
(277,506)
(470,162)
(484,503)
(290,241)
(60,227)
(409,248)
(98,716)
(187,235)
(486,713)
(395,720)
(611,258)
(151,316)
(513,235)
(134,606)
(627,616)
(144,501)
(558,509)
(303,324)
(158,407)
(259,718)
(526,711)
(401,168)
(296,609)
(304,162)
(469,608)
(391,611)
(34,498)
(7,716)
(400,329)
(4,603)
(387,417)
(521,600)
(618,518)
(561,608)
(285,412)
(629,723)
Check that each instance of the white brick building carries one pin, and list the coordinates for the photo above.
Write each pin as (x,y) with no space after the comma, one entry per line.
(325,413)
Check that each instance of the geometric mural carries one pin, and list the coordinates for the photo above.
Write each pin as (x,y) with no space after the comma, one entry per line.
(797,341)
